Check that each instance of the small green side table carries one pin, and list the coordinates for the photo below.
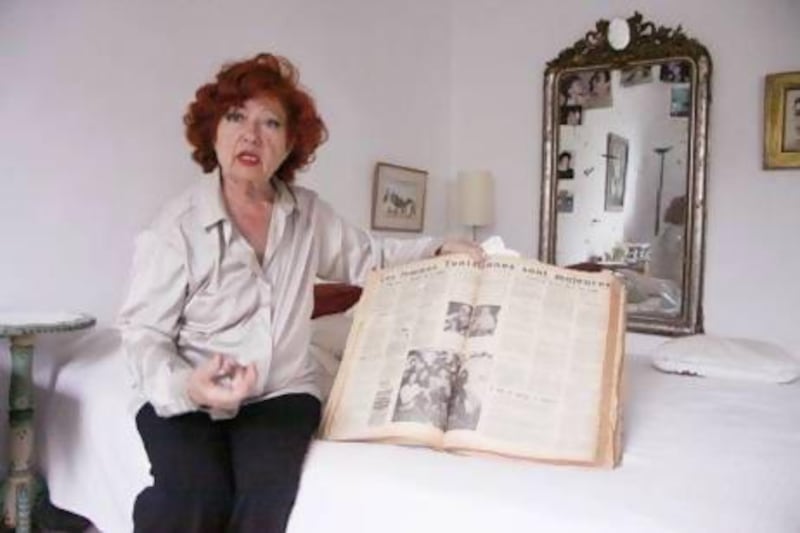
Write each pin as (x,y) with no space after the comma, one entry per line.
(21,487)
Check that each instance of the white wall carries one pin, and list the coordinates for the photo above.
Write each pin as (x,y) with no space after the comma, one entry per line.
(91,99)
(92,93)
(499,55)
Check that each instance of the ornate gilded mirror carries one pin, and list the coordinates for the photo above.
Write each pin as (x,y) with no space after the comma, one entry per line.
(624,166)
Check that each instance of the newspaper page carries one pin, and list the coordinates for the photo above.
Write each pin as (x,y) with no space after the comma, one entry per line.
(541,365)
(402,354)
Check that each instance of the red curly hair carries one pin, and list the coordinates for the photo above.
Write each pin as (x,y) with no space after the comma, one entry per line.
(265,74)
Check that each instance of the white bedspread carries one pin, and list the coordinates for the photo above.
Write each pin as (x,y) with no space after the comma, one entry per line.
(700,455)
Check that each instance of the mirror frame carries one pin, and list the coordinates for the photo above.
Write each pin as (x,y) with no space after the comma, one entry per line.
(648,44)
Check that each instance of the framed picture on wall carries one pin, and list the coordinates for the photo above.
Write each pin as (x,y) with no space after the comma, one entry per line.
(616,169)
(398,198)
(564,170)
(782,120)
(636,75)
(571,115)
(599,89)
(680,102)
(565,201)
(675,72)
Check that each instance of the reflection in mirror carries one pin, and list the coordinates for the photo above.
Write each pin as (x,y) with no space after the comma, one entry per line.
(624,171)
(622,168)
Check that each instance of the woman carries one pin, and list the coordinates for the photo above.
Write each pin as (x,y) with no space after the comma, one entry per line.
(599,89)
(573,91)
(484,321)
(573,115)
(564,170)
(458,318)
(216,323)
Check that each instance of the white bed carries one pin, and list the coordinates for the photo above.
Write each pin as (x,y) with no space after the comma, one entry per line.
(700,455)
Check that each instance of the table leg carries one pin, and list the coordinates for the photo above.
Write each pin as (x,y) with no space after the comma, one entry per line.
(21,487)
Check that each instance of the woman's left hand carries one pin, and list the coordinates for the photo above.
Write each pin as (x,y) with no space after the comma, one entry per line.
(462,246)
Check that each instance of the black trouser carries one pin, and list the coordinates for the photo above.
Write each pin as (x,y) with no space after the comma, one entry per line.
(239,475)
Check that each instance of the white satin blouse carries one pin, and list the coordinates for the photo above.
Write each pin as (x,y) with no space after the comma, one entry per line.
(197,289)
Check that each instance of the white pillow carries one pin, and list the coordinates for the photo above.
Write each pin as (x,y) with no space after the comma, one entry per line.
(328,339)
(330,332)
(721,357)
(326,370)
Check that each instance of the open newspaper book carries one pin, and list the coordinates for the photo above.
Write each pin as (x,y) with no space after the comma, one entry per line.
(516,358)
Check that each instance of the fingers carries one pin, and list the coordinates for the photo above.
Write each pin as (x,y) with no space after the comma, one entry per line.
(222,383)
(477,253)
(251,375)
(243,383)
(227,368)
(459,246)
(236,388)
(211,367)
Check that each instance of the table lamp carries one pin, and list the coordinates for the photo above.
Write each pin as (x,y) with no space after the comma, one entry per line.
(475,199)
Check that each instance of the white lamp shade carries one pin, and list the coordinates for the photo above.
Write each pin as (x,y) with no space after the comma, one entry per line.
(475,198)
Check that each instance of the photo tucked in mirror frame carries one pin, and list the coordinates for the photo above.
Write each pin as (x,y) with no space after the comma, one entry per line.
(624,168)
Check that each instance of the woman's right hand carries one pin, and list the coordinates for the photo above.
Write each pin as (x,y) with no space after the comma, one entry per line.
(221,383)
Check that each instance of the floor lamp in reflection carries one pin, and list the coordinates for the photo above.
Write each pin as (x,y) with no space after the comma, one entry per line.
(661,151)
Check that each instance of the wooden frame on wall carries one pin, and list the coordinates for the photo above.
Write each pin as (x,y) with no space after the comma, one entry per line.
(398,198)
(782,120)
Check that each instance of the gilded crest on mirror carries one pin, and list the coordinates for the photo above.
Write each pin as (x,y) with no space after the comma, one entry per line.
(625,166)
